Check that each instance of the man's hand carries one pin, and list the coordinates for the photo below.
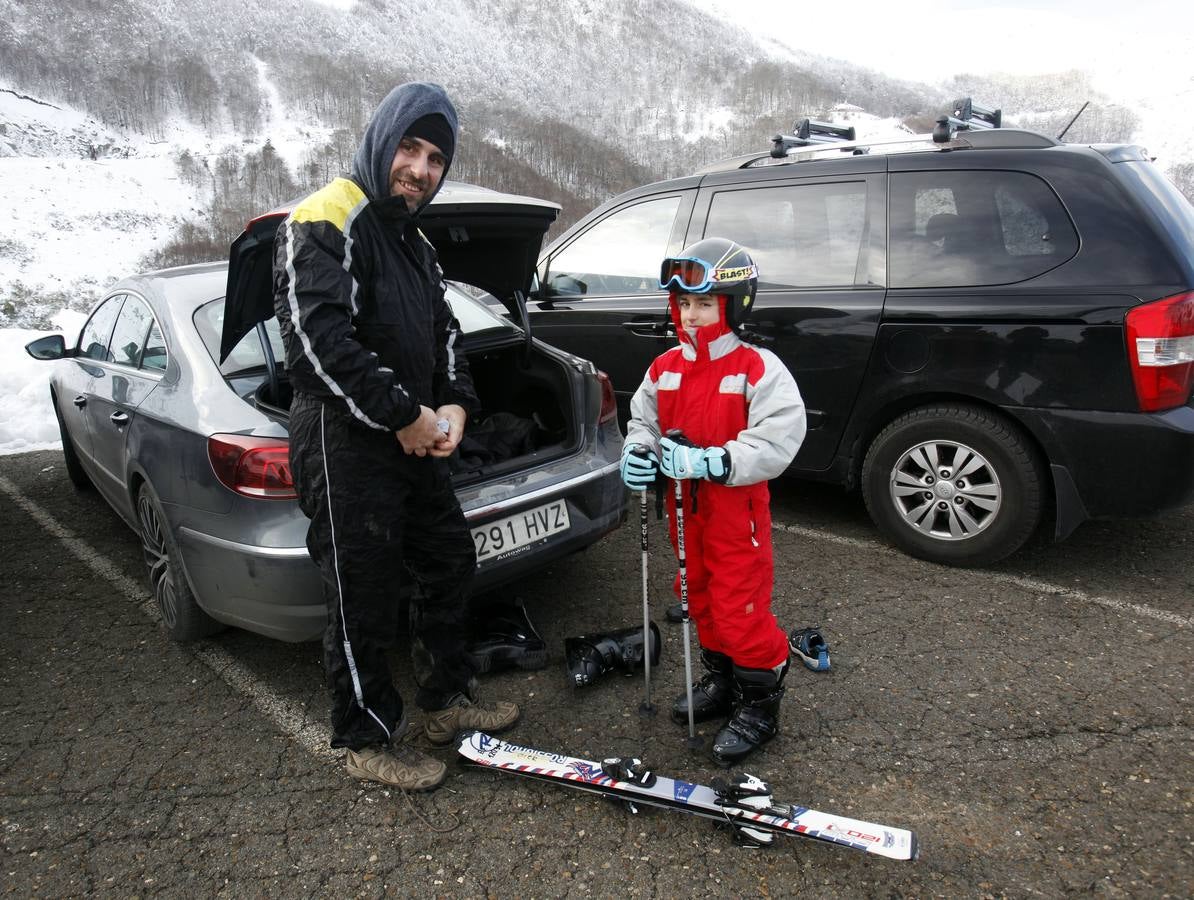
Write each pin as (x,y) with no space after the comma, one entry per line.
(449,441)
(421,435)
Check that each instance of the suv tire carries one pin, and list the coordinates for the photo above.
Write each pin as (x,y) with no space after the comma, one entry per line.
(182,616)
(954,484)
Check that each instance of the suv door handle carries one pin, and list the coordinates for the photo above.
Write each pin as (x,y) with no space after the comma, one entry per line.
(650,327)
(119,418)
(80,401)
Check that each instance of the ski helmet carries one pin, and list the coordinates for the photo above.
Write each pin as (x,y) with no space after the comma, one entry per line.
(714,265)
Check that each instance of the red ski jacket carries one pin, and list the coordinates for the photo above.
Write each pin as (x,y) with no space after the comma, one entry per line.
(722,392)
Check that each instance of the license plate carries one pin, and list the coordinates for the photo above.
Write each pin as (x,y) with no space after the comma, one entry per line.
(506,536)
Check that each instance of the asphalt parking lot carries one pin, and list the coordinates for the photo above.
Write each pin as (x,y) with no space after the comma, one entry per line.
(1032,724)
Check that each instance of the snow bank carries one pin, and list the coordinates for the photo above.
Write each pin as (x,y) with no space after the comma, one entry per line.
(26,418)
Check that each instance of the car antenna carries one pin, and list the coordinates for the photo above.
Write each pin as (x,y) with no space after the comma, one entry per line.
(1073,120)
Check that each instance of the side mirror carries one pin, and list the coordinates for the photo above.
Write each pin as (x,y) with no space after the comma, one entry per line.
(50,347)
(566,286)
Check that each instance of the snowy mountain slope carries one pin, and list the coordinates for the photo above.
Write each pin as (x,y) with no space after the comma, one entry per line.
(76,223)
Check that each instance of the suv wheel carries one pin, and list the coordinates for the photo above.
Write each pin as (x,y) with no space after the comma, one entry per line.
(953,484)
(181,615)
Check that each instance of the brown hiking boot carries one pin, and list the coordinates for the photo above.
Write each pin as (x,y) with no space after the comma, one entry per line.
(400,765)
(463,714)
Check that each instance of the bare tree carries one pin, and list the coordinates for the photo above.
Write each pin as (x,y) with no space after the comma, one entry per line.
(1182,176)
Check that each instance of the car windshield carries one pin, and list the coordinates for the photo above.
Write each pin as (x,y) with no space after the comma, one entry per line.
(472,310)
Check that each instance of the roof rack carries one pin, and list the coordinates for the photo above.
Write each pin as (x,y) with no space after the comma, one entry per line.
(969,127)
(966,116)
(969,115)
(808,131)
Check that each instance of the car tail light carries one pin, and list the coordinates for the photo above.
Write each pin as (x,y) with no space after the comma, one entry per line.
(609,403)
(1161,351)
(252,466)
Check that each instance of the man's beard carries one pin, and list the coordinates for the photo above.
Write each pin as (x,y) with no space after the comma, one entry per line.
(396,191)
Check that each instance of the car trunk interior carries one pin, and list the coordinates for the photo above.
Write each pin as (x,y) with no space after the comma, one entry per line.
(524,417)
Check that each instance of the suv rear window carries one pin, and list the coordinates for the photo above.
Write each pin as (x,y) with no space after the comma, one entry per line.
(1166,201)
(951,228)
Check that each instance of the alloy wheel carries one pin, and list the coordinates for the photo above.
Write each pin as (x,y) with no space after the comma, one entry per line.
(157,559)
(946,490)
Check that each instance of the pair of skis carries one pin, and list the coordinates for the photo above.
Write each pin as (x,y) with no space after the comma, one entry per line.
(742,801)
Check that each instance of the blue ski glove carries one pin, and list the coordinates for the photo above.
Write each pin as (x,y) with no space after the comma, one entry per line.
(682,460)
(639,467)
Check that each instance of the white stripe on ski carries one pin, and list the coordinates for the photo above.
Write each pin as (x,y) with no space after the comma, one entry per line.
(484,750)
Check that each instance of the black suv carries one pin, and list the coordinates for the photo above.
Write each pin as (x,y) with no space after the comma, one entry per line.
(988,326)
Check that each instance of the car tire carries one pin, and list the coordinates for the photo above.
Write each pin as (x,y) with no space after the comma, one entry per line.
(182,616)
(74,468)
(954,484)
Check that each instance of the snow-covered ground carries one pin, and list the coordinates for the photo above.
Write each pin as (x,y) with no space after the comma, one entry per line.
(79,224)
(26,417)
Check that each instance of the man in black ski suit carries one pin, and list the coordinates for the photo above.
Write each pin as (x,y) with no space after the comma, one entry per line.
(373,354)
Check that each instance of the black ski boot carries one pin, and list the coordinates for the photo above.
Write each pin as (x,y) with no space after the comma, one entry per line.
(503,637)
(713,695)
(755,721)
(592,655)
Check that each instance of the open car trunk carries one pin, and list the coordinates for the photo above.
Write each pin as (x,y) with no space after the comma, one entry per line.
(532,402)
(528,414)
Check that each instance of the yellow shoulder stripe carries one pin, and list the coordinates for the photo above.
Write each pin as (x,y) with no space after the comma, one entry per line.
(329,204)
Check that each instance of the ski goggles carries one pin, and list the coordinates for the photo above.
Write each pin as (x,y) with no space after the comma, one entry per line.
(695,276)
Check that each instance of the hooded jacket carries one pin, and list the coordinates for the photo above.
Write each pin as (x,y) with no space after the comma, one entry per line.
(721,392)
(358,290)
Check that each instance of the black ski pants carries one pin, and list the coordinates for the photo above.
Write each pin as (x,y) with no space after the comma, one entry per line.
(379,517)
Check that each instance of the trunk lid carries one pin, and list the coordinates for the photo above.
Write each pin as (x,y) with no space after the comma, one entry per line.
(483,237)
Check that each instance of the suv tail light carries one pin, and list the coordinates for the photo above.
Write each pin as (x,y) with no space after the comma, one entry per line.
(256,467)
(1161,351)
(609,403)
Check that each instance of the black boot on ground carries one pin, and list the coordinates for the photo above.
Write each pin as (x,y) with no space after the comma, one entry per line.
(592,655)
(713,695)
(755,719)
(503,638)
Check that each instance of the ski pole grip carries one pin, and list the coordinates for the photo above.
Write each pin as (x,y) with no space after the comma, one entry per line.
(679,437)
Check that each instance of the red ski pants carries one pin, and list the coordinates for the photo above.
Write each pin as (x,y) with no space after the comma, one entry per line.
(730,571)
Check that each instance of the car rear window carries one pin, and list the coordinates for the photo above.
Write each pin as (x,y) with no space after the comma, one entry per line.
(474,316)
(959,228)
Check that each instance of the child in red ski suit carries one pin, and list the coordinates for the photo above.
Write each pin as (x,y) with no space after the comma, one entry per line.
(742,421)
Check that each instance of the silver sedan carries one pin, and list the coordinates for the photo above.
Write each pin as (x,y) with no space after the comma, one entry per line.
(192,452)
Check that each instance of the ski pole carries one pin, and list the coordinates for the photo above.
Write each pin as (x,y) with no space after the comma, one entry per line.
(694,742)
(646,708)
